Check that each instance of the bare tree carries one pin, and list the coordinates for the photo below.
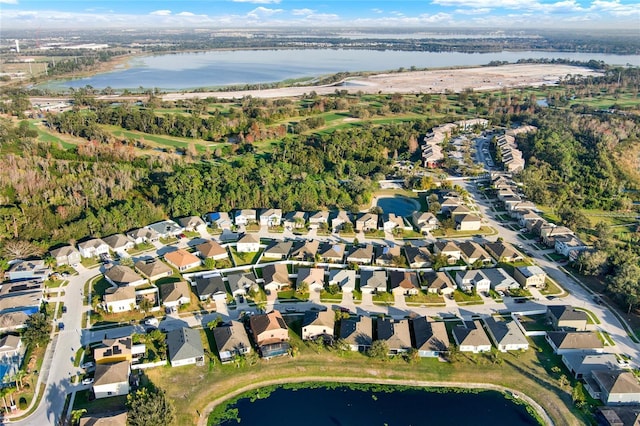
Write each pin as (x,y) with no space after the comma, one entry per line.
(18,249)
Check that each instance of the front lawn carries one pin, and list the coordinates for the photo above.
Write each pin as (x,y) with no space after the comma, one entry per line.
(425,298)
(519,292)
(383,298)
(100,286)
(293,295)
(97,406)
(550,287)
(89,262)
(535,322)
(467,298)
(141,248)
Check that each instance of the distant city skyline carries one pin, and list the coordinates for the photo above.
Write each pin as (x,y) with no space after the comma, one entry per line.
(426,14)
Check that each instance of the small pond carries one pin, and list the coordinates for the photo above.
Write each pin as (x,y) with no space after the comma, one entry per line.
(400,206)
(369,405)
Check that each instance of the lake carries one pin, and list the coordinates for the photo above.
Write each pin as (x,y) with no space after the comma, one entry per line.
(181,71)
(343,406)
(401,206)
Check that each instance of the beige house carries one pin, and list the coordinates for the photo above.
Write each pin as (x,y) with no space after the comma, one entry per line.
(318,324)
(305,251)
(431,337)
(395,333)
(438,283)
(567,318)
(467,222)
(111,379)
(617,387)
(175,294)
(120,299)
(530,276)
(312,278)
(249,243)
(122,276)
(182,260)
(418,257)
(231,341)
(367,222)
(424,221)
(360,254)
(212,250)
(269,328)
(276,277)
(153,269)
(563,342)
(448,249)
(192,223)
(66,255)
(404,282)
(357,332)
(119,419)
(503,252)
(471,337)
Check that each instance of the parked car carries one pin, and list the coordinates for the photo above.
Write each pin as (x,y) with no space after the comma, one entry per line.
(60,326)
(64,309)
(87,365)
(153,321)
(87,381)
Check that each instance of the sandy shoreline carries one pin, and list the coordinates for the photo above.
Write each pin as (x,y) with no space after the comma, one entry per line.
(204,415)
(435,81)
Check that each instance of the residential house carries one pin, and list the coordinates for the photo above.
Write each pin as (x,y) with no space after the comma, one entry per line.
(617,387)
(120,299)
(344,278)
(153,269)
(244,217)
(506,335)
(438,282)
(418,257)
(276,277)
(319,218)
(332,252)
(472,252)
(373,281)
(93,248)
(166,228)
(66,255)
(311,278)
(295,220)
(471,337)
(424,221)
(565,317)
(271,217)
(581,365)
(550,234)
(119,275)
(530,276)
(569,246)
(111,379)
(473,280)
(367,222)
(212,250)
(500,280)
(277,250)
(119,419)
(404,283)
(448,249)
(184,347)
(211,287)
(143,235)
(231,340)
(574,341)
(182,260)
(249,243)
(28,270)
(357,332)
(526,218)
(459,210)
(429,337)
(392,221)
(10,346)
(113,350)
(119,243)
(387,255)
(341,218)
(305,250)
(270,333)
(318,324)
(360,254)
(242,283)
(219,220)
(395,333)
(448,203)
(193,224)
(468,222)
(175,294)
(503,252)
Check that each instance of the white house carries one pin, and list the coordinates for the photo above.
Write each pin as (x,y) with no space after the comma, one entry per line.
(93,248)
(111,379)
(220,220)
(244,217)
(344,278)
(473,279)
(192,223)
(271,217)
(373,281)
(175,294)
(424,221)
(318,323)
(471,337)
(506,335)
(249,243)
(166,228)
(184,347)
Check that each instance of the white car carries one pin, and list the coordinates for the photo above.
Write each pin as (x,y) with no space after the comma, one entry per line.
(151,321)
(87,381)
(87,365)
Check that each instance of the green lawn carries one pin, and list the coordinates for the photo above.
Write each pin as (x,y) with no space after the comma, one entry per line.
(466,298)
(44,135)
(97,406)
(591,317)
(100,286)
(241,259)
(293,295)
(156,140)
(550,287)
(383,298)
(425,298)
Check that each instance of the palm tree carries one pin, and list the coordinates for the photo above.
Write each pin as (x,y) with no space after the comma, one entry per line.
(3,393)
(20,374)
(76,415)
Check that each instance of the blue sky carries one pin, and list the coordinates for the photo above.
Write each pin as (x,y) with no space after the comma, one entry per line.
(507,14)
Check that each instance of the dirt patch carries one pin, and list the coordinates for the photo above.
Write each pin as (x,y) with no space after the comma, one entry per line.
(435,81)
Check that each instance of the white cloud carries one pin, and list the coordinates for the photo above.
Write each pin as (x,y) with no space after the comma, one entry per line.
(262,12)
(479,4)
(186,14)
(257,1)
(8,1)
(481,11)
(163,12)
(376,10)
(302,12)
